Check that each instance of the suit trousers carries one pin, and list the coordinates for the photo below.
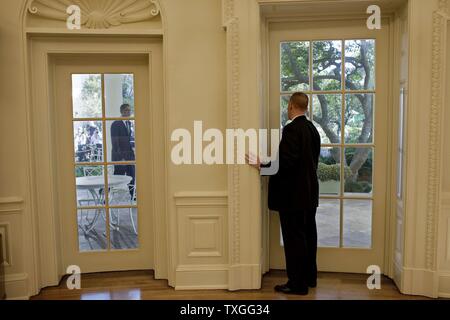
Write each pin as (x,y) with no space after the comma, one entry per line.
(300,247)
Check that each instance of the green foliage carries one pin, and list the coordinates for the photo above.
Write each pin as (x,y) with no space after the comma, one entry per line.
(358,187)
(79,172)
(327,59)
(128,90)
(295,54)
(91,97)
(88,171)
(332,172)
(353,187)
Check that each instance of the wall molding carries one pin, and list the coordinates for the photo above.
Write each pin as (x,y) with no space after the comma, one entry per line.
(227,11)
(16,286)
(201,277)
(440,18)
(232,24)
(11,205)
(199,198)
(420,281)
(98,15)
(5,231)
(444,285)
(201,240)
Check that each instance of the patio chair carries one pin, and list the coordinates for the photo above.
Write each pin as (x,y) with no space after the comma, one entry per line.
(121,194)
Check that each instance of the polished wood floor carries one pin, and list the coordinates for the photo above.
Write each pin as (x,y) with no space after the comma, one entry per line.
(141,285)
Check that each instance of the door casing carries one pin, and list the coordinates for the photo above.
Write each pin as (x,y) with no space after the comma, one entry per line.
(40,50)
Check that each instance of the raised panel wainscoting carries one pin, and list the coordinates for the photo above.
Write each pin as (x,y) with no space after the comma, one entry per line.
(11,215)
(202,241)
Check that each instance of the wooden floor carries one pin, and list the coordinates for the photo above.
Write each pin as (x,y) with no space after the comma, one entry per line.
(140,285)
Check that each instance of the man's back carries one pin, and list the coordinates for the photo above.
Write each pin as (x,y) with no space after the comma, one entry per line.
(121,142)
(295,187)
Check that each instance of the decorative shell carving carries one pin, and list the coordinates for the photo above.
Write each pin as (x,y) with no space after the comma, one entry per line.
(98,14)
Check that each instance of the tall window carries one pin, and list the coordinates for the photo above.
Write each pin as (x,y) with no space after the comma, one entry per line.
(104,161)
(339,77)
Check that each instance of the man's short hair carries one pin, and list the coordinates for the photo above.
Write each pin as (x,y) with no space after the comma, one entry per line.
(123,107)
(300,100)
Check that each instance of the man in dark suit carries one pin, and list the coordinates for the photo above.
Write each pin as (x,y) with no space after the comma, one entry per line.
(294,193)
(122,147)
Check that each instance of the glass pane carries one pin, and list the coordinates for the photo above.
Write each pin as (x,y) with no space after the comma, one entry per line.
(358,181)
(327,62)
(120,140)
(360,64)
(124,228)
(87,95)
(327,117)
(295,66)
(90,184)
(88,141)
(92,230)
(119,90)
(284,111)
(359,118)
(329,171)
(122,185)
(358,224)
(328,223)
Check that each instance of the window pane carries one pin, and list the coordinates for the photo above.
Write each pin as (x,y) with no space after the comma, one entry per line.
(119,90)
(329,171)
(327,61)
(328,223)
(358,181)
(87,95)
(284,111)
(295,66)
(360,64)
(357,224)
(124,228)
(90,184)
(359,118)
(92,230)
(88,141)
(327,117)
(122,185)
(120,140)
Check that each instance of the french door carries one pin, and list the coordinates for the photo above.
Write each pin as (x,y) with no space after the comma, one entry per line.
(343,67)
(104,170)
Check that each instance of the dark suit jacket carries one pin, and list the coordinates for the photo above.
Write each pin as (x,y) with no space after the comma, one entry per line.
(296,187)
(122,149)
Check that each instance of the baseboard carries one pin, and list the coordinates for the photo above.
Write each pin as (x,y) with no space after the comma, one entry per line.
(398,275)
(444,285)
(16,286)
(420,282)
(207,277)
(244,276)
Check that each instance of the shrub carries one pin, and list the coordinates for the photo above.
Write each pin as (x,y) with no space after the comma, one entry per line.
(332,172)
(358,187)
(354,187)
